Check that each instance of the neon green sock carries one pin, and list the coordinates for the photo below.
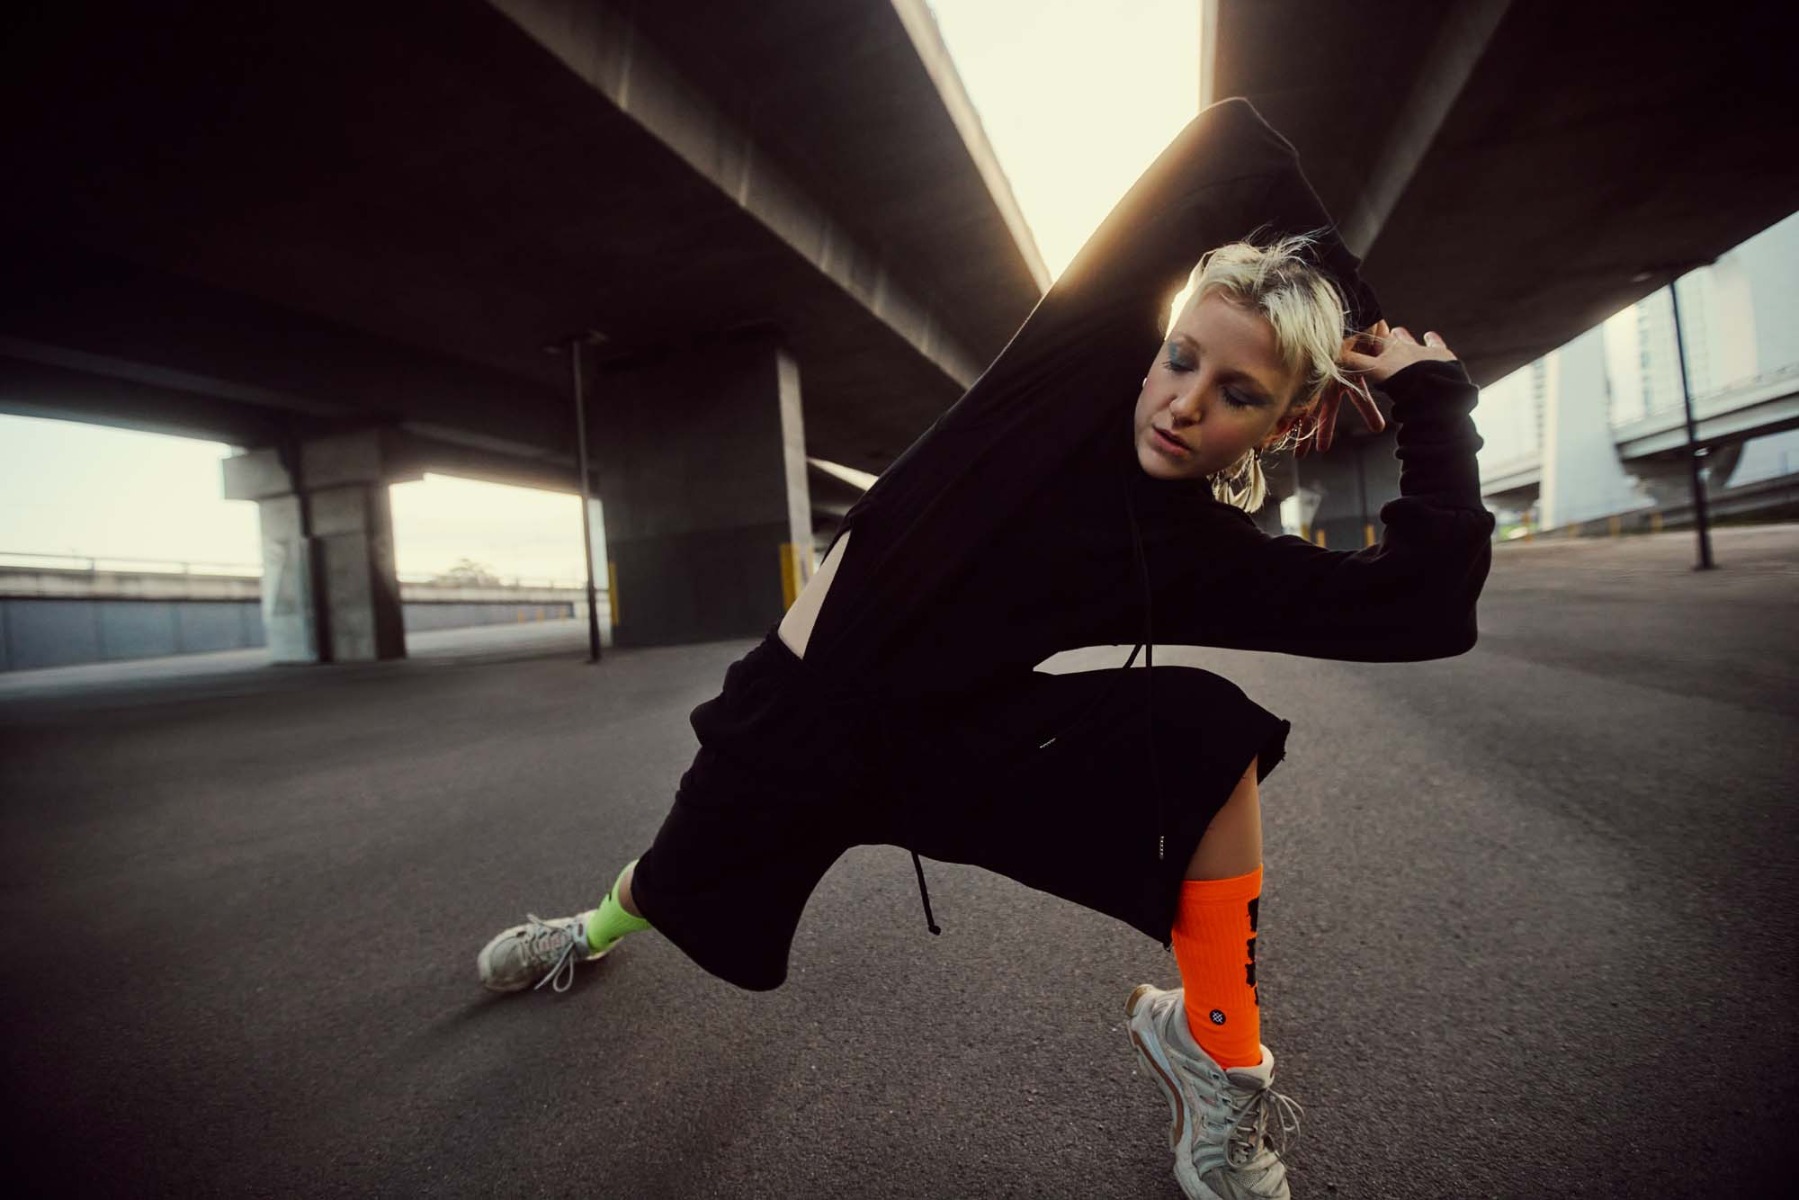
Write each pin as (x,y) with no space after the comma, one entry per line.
(610,922)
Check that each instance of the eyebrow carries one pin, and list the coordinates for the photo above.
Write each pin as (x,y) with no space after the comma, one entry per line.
(1255,385)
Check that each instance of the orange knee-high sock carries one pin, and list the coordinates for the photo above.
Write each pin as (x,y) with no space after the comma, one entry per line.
(1215,945)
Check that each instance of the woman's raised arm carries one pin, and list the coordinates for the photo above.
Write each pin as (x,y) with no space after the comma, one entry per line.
(1074,366)
(1412,596)
(1226,177)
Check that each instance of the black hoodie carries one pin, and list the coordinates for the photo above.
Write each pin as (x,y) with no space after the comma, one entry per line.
(1020,524)
(1017,496)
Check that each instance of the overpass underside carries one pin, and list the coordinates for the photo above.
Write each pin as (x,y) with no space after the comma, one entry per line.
(348,238)
(1513,171)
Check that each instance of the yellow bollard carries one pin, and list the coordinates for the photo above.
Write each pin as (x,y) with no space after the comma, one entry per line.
(1617,524)
(791,582)
(1368,533)
(1655,521)
(1318,537)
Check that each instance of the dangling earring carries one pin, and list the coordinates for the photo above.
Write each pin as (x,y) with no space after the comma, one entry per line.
(1248,486)
(1243,485)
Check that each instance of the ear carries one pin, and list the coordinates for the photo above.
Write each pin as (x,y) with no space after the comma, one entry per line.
(1295,415)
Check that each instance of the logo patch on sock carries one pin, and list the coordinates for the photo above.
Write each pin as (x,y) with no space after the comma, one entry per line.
(1217,1016)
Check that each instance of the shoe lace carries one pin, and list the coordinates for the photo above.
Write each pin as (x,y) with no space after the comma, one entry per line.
(555,945)
(1268,1118)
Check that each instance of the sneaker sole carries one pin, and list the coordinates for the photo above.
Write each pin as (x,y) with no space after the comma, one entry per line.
(1163,1074)
(1157,1067)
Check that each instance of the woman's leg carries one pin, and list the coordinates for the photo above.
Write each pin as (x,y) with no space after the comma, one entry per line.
(541,951)
(623,890)
(1214,931)
(616,916)
(1232,844)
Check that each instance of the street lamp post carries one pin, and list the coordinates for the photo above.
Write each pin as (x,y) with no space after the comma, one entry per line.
(1701,517)
(593,600)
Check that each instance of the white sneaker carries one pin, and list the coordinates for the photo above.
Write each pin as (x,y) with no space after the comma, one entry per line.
(540,950)
(1228,1126)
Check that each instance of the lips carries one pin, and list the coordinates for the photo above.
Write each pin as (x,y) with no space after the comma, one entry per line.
(1170,442)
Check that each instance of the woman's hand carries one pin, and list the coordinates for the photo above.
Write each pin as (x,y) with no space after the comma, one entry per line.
(1377,354)
(1393,351)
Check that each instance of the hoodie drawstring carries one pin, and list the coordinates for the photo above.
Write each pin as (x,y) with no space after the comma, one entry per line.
(1149,673)
(1148,646)
(924,894)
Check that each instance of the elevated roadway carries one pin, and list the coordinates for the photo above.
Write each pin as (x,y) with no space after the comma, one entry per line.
(344,236)
(1514,171)
(1766,404)
(347,234)
(258,221)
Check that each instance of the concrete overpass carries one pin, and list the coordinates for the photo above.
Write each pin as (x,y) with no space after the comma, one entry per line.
(1516,171)
(345,233)
(1724,419)
(1513,171)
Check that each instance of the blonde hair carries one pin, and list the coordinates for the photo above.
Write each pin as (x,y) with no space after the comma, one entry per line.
(1307,314)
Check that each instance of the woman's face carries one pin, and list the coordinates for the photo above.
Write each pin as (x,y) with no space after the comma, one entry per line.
(1217,389)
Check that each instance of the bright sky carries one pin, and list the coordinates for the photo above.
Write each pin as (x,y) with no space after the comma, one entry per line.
(1077,97)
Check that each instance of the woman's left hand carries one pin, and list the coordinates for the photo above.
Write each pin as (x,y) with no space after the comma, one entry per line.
(1394,350)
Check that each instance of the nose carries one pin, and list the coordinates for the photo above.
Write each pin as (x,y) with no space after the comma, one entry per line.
(1189,404)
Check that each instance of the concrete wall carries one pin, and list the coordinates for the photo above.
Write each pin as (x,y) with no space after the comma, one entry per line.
(58,632)
(61,632)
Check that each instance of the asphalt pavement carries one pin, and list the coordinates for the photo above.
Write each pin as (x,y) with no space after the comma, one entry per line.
(1529,929)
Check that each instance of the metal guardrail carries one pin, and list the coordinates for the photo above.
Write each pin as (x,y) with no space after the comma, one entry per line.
(94,564)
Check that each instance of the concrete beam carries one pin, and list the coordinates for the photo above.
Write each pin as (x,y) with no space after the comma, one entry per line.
(1734,414)
(927,40)
(1466,30)
(604,49)
(1208,53)
(365,457)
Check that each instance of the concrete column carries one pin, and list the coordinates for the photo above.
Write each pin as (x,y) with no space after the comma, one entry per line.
(701,463)
(330,592)
(1348,487)
(1581,477)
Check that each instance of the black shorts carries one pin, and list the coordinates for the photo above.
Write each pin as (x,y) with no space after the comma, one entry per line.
(1057,781)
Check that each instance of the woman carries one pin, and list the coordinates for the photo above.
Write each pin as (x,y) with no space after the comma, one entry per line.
(896,703)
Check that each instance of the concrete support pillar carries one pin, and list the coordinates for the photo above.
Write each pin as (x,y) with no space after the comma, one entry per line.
(1348,486)
(329,589)
(1581,478)
(701,461)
